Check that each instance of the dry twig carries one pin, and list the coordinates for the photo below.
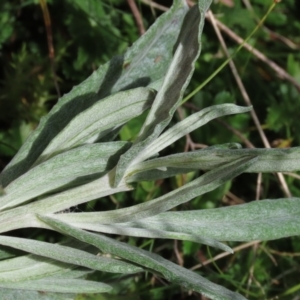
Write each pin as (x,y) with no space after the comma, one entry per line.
(47,21)
(137,16)
(246,98)
(224,254)
(274,35)
(281,73)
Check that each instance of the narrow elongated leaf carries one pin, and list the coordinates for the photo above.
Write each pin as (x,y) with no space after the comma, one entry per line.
(111,112)
(124,229)
(257,220)
(147,61)
(154,262)
(11,294)
(177,77)
(20,262)
(73,167)
(268,160)
(57,203)
(69,255)
(143,64)
(79,272)
(149,174)
(199,186)
(188,125)
(59,286)
(156,174)
(34,267)
(18,217)
(171,92)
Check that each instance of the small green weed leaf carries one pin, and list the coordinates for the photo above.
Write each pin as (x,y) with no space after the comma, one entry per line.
(170,94)
(154,262)
(199,186)
(69,255)
(74,167)
(257,220)
(94,9)
(58,286)
(143,64)
(189,248)
(188,125)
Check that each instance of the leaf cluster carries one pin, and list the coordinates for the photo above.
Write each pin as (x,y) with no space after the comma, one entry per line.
(73,158)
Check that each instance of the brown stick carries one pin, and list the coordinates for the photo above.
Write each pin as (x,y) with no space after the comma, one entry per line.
(246,98)
(47,21)
(155,5)
(224,254)
(137,16)
(280,72)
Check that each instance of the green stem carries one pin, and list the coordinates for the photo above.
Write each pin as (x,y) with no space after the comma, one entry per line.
(205,82)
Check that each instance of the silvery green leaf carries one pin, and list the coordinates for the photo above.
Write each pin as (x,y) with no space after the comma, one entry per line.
(155,174)
(268,160)
(111,112)
(57,203)
(33,267)
(69,255)
(199,186)
(188,125)
(18,217)
(72,167)
(58,286)
(12,294)
(72,273)
(272,160)
(143,64)
(136,230)
(158,173)
(257,220)
(19,262)
(170,94)
(172,272)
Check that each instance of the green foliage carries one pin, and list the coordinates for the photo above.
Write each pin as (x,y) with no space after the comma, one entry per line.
(71,162)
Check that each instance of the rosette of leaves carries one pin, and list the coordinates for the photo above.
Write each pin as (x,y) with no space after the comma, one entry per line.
(73,157)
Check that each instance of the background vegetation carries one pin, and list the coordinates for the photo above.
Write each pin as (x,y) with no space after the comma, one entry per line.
(38,63)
